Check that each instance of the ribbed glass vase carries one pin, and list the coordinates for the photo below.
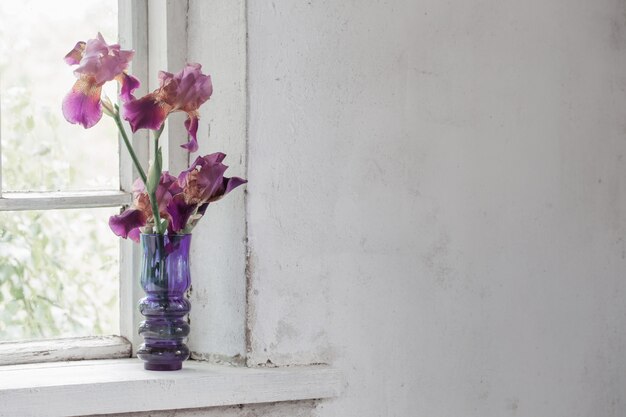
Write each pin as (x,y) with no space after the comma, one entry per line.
(165,279)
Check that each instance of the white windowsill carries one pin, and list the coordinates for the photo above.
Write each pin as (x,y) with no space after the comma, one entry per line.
(66,349)
(122,385)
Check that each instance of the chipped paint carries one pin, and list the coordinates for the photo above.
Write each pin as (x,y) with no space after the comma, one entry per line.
(286,409)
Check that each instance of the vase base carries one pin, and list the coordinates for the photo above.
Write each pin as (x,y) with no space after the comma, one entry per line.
(163,366)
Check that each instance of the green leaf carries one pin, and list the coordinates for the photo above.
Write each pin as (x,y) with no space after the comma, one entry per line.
(16,292)
(6,271)
(30,123)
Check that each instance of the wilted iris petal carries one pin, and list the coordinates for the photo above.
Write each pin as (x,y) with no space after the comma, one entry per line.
(168,186)
(203,178)
(196,188)
(164,190)
(145,113)
(202,209)
(199,162)
(123,225)
(166,180)
(179,211)
(204,181)
(82,104)
(232,183)
(191,124)
(228,185)
(175,187)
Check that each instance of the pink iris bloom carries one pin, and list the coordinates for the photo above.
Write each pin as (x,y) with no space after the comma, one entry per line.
(129,223)
(182,202)
(185,91)
(97,63)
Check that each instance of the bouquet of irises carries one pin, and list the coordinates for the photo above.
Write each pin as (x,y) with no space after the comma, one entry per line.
(162,203)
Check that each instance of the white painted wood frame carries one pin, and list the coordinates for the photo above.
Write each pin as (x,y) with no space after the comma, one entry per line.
(218,253)
(0,137)
(133,34)
(65,349)
(167,43)
(120,386)
(16,201)
(158,32)
(143,26)
(217,39)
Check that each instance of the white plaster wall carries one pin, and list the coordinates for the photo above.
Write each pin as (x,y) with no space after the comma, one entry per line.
(216,31)
(435,202)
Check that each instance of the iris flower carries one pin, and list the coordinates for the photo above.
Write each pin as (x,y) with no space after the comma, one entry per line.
(185,91)
(97,63)
(129,223)
(203,183)
(182,201)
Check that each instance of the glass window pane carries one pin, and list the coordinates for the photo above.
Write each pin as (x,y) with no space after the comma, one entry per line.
(58,274)
(40,150)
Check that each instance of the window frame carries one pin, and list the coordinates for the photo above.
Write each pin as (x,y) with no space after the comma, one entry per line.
(143,26)
(134,32)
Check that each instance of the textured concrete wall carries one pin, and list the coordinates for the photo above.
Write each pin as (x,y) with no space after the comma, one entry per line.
(436,202)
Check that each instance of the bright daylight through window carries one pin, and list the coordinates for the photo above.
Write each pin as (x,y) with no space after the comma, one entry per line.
(59,269)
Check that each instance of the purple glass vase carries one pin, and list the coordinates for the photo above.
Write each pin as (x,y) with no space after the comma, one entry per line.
(165,279)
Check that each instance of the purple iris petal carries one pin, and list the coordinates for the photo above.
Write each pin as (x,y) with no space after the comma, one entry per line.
(184,91)
(204,181)
(97,63)
(123,225)
(200,162)
(191,124)
(179,212)
(164,191)
(210,179)
(74,56)
(166,181)
(202,208)
(173,187)
(228,184)
(129,84)
(214,158)
(102,61)
(145,112)
(193,87)
(81,107)
(232,183)
(138,186)
(135,234)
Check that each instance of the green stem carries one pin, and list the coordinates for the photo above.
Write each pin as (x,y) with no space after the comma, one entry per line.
(153,199)
(142,174)
(131,151)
